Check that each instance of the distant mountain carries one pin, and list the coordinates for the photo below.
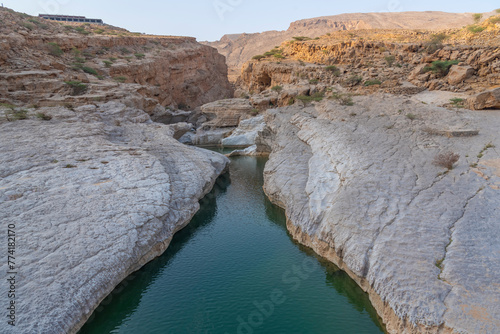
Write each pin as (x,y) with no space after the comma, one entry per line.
(239,48)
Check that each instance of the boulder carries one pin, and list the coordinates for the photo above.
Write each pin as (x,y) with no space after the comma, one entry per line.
(486,100)
(246,133)
(459,74)
(227,113)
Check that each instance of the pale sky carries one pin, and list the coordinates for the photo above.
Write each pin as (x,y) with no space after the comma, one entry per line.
(211,19)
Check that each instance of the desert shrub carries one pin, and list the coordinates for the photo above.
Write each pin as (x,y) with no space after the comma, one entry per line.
(99,31)
(497,10)
(411,116)
(457,102)
(279,56)
(494,20)
(390,60)
(28,26)
(43,117)
(334,69)
(254,112)
(477,17)
(81,30)
(441,67)
(354,80)
(301,38)
(112,59)
(125,51)
(435,43)
(54,49)
(140,55)
(313,81)
(446,159)
(308,98)
(107,63)
(475,29)
(89,70)
(277,88)
(258,57)
(120,79)
(16,115)
(7,105)
(77,87)
(343,99)
(373,82)
(79,60)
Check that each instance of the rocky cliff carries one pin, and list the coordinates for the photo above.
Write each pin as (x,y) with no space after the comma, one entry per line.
(366,192)
(239,48)
(91,188)
(39,58)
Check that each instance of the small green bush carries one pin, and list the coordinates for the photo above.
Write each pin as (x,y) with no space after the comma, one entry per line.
(411,116)
(89,70)
(107,63)
(28,26)
(140,55)
(373,82)
(477,17)
(313,81)
(476,29)
(258,57)
(43,117)
(120,79)
(457,102)
(343,99)
(435,43)
(301,38)
(54,49)
(125,51)
(254,112)
(390,60)
(78,88)
(308,98)
(277,88)
(79,60)
(81,30)
(334,70)
(16,115)
(354,80)
(441,67)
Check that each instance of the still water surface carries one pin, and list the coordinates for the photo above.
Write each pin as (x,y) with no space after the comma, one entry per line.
(235,269)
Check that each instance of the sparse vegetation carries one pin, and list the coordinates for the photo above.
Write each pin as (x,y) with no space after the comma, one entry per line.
(457,102)
(309,98)
(107,63)
(277,88)
(69,166)
(446,160)
(81,30)
(441,67)
(475,29)
(343,99)
(390,60)
(353,80)
(313,81)
(125,51)
(301,38)
(120,79)
(411,116)
(254,112)
(43,116)
(258,57)
(28,26)
(140,55)
(54,49)
(477,17)
(334,69)
(89,70)
(373,82)
(77,87)
(16,115)
(435,43)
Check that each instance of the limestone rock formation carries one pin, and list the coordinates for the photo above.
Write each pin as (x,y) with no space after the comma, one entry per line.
(486,100)
(40,65)
(94,194)
(364,192)
(246,132)
(459,74)
(239,48)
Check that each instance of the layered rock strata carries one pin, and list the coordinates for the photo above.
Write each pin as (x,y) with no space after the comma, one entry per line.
(365,192)
(94,194)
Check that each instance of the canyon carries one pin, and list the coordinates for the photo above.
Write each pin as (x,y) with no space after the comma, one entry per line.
(382,139)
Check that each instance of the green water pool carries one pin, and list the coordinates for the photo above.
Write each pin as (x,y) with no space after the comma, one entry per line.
(235,269)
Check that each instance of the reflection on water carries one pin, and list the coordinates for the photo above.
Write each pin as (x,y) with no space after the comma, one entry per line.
(221,273)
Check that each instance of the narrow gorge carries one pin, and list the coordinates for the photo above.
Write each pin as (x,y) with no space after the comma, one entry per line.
(340,176)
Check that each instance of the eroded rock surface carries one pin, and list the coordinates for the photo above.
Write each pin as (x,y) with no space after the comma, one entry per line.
(363,192)
(94,193)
